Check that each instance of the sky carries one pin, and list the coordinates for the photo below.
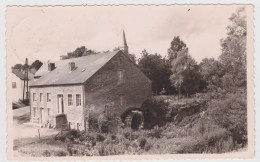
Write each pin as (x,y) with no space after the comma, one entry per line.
(45,33)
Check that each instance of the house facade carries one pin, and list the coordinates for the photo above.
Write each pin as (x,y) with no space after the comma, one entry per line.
(17,85)
(86,87)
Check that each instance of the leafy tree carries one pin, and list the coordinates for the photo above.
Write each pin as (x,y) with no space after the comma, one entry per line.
(158,69)
(183,62)
(131,56)
(177,45)
(233,57)
(79,52)
(18,67)
(212,72)
(36,64)
(192,81)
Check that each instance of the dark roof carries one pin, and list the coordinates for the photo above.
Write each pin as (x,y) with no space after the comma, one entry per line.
(86,66)
(44,68)
(20,74)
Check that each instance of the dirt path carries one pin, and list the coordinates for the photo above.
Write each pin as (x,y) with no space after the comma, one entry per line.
(21,130)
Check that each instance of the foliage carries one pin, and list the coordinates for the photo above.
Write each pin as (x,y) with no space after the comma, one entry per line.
(157,69)
(192,81)
(212,71)
(185,74)
(154,113)
(35,65)
(177,45)
(231,114)
(78,52)
(233,57)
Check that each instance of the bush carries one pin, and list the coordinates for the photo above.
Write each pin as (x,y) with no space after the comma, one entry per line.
(60,138)
(46,153)
(231,113)
(100,138)
(142,143)
(156,132)
(155,113)
(61,153)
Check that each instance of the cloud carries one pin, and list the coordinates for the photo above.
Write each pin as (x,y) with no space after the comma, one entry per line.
(45,33)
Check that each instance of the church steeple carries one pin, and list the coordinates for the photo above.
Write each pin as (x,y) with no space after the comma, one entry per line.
(125,44)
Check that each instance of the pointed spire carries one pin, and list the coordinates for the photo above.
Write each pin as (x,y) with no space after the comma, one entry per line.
(125,44)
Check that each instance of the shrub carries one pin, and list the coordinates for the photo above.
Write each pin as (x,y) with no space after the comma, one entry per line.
(142,143)
(61,153)
(46,153)
(156,132)
(100,138)
(231,113)
(155,112)
(60,138)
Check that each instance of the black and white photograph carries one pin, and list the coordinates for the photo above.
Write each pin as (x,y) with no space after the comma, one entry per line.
(130,81)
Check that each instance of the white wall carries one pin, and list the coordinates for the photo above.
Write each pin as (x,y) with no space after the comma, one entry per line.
(16,93)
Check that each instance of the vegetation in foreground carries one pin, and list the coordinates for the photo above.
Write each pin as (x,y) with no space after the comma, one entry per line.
(218,126)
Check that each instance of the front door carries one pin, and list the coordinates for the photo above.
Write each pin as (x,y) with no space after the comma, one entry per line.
(42,115)
(60,104)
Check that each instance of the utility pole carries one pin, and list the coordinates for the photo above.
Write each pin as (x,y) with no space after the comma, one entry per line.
(25,81)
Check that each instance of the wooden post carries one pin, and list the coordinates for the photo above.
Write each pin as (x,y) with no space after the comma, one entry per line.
(39,133)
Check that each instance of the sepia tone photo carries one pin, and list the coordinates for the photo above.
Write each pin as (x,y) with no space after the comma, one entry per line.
(130,82)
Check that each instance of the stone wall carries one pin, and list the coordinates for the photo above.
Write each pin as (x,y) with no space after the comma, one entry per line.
(73,113)
(106,89)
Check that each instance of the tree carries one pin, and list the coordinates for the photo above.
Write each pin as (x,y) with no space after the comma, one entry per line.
(177,45)
(157,69)
(18,67)
(192,81)
(233,57)
(32,68)
(79,52)
(212,72)
(132,57)
(36,64)
(183,61)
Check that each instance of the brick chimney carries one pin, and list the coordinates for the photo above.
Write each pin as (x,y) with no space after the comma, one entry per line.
(51,66)
(72,66)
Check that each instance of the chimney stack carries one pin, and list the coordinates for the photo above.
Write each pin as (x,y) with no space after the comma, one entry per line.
(72,66)
(51,66)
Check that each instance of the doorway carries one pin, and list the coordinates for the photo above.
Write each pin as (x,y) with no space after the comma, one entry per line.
(60,104)
(42,115)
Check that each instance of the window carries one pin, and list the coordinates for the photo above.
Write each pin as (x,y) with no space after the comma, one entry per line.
(120,60)
(70,100)
(34,96)
(78,126)
(13,84)
(41,97)
(48,97)
(48,111)
(78,100)
(34,112)
(121,99)
(71,125)
(120,76)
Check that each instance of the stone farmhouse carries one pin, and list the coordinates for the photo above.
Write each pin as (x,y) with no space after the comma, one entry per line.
(88,86)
